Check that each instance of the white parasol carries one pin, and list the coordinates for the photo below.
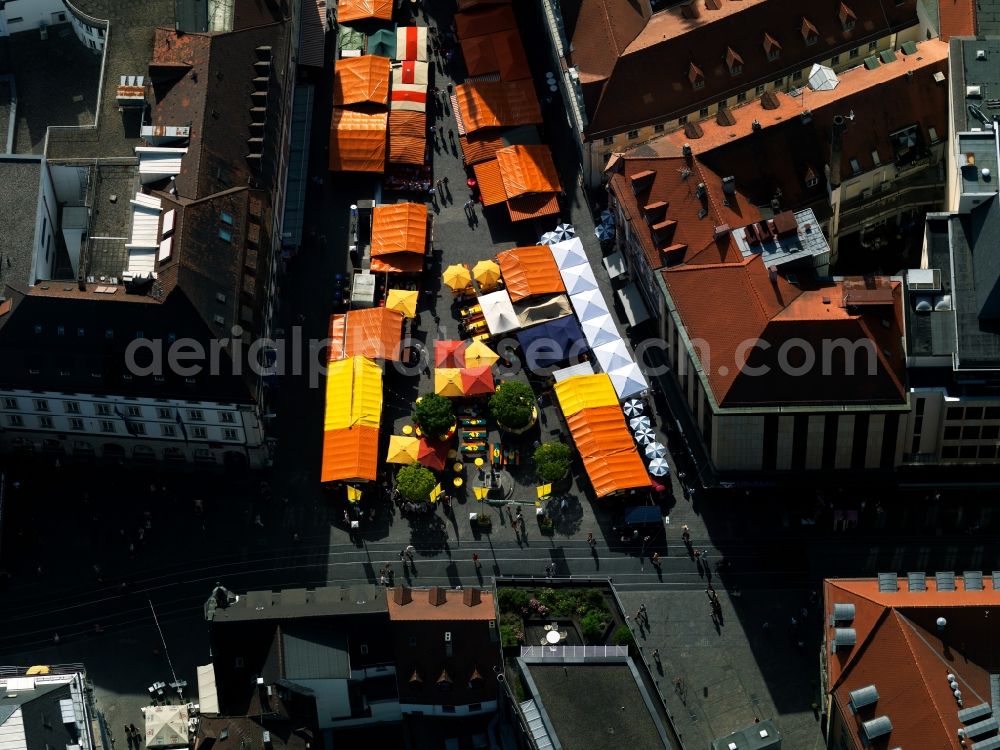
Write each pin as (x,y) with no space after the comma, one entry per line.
(659,467)
(641,422)
(644,435)
(655,450)
(633,407)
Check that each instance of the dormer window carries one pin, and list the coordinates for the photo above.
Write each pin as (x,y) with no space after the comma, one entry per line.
(771,47)
(734,62)
(696,77)
(847,17)
(812,179)
(809,33)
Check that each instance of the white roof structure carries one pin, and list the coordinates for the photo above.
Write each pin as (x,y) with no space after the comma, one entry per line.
(166,726)
(628,380)
(600,330)
(578,279)
(208,694)
(145,243)
(589,305)
(583,368)
(499,312)
(569,253)
(158,162)
(613,356)
(822,78)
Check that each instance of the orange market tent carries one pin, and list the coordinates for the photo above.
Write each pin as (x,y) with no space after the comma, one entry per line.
(533,206)
(478,381)
(361,80)
(412,124)
(411,43)
(399,228)
(528,271)
(484,20)
(600,429)
(616,472)
(352,414)
(526,169)
(432,453)
(357,141)
(360,10)
(407,137)
(397,263)
(496,104)
(489,182)
(350,455)
(373,332)
(500,52)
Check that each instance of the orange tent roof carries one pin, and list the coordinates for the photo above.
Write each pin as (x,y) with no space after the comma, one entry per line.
(599,430)
(481,146)
(616,472)
(477,381)
(484,21)
(358,80)
(527,169)
(528,271)
(489,182)
(374,332)
(500,52)
(495,104)
(403,122)
(359,10)
(532,206)
(399,228)
(357,141)
(405,149)
(350,454)
(398,263)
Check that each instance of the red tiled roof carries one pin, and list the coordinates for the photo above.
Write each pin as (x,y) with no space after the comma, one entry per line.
(901,652)
(452,608)
(646,79)
(730,305)
(956,18)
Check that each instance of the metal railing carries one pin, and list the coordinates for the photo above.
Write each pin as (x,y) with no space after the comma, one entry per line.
(616,653)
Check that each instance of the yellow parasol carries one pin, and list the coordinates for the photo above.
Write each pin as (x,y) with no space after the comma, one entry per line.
(448,382)
(456,277)
(544,490)
(436,493)
(402,300)
(477,354)
(480,493)
(353,494)
(402,450)
(487,273)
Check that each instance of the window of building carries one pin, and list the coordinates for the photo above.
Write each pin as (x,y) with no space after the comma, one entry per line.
(633,134)
(196,415)
(163,413)
(45,423)
(14,420)
(778,83)
(104,410)
(92,44)
(703,112)
(954,432)
(72,407)
(15,19)
(723,103)
(167,430)
(448,709)
(107,425)
(658,128)
(135,411)
(608,140)
(75,423)
(100,33)
(970,432)
(138,429)
(10,403)
(835,60)
(812,182)
(225,234)
(227,417)
(854,52)
(953,413)
(797,75)
(38,328)
(872,46)
(990,432)
(199,433)
(698,83)
(973,413)
(773,54)
(741,97)
(949,451)
(918,425)
(992,412)
(855,166)
(759,90)
(226,218)
(41,404)
(682,120)
(967,451)
(230,434)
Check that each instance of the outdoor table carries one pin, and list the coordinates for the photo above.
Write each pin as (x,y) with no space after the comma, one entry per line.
(407,429)
(355,525)
(458,482)
(458,466)
(473,515)
(478,462)
(452,453)
(552,637)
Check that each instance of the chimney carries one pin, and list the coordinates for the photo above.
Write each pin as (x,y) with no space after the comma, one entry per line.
(471,597)
(836,145)
(750,234)
(785,224)
(402,595)
(686,149)
(436,596)
(663,233)
(729,185)
(755,126)
(642,180)
(674,253)
(655,212)
(772,273)
(721,231)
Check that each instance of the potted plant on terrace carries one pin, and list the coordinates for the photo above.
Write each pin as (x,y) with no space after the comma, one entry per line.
(513,406)
(435,416)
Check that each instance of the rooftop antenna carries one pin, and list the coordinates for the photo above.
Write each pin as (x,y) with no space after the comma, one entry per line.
(175,683)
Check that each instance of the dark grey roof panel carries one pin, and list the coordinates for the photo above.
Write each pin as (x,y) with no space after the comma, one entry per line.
(945,580)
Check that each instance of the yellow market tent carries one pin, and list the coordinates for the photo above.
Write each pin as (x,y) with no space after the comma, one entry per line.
(403,449)
(486,273)
(584,392)
(402,300)
(478,354)
(353,394)
(456,277)
(448,381)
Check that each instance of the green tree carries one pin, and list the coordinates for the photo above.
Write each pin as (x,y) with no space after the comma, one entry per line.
(512,405)
(434,414)
(415,483)
(592,626)
(512,600)
(623,636)
(552,461)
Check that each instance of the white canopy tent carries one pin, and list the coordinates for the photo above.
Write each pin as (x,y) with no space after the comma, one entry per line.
(499,312)
(578,279)
(628,380)
(600,330)
(589,305)
(166,726)
(613,356)
(569,253)
(583,368)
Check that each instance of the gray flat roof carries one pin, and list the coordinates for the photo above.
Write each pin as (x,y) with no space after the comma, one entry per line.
(293,603)
(968,70)
(978,152)
(932,332)
(110,222)
(807,242)
(761,736)
(19,184)
(987,17)
(595,705)
(312,652)
(978,342)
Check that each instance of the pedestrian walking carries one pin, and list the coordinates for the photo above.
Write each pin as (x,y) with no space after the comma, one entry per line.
(475,560)
(686,535)
(590,539)
(644,613)
(656,655)
(656,560)
(402,555)
(410,550)
(256,520)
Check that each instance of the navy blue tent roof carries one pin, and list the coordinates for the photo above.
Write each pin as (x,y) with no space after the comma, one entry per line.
(551,343)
